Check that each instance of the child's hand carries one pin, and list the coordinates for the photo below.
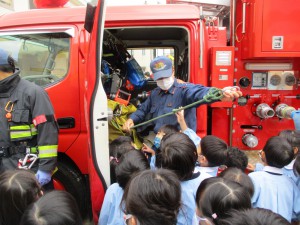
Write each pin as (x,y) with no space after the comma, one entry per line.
(181,120)
(180,116)
(250,167)
(146,148)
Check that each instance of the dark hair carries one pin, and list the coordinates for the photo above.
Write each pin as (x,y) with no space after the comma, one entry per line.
(254,216)
(214,149)
(168,129)
(131,163)
(117,148)
(177,153)
(236,158)
(54,208)
(18,189)
(153,197)
(9,67)
(119,144)
(237,175)
(296,167)
(292,136)
(216,196)
(278,151)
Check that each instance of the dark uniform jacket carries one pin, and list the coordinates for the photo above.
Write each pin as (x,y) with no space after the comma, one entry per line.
(160,102)
(32,126)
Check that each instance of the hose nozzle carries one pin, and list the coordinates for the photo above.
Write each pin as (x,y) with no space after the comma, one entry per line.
(264,111)
(284,111)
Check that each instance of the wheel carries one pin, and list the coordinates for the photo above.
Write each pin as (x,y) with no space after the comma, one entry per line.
(70,179)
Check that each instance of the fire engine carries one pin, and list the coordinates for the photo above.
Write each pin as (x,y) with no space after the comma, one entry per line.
(80,56)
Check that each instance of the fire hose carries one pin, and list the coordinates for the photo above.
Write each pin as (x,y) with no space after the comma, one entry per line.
(213,95)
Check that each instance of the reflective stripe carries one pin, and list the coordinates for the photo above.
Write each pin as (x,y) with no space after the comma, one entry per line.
(47,151)
(22,131)
(20,134)
(33,129)
(21,127)
(33,150)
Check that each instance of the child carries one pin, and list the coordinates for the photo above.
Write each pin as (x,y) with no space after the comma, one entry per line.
(213,154)
(117,148)
(152,197)
(237,175)
(18,189)
(188,131)
(130,164)
(179,154)
(293,137)
(296,167)
(170,129)
(273,190)
(236,158)
(217,196)
(253,217)
(164,130)
(54,208)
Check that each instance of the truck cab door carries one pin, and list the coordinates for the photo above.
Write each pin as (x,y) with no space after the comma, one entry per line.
(96,109)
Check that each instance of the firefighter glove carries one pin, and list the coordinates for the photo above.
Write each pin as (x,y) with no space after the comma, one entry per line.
(44,177)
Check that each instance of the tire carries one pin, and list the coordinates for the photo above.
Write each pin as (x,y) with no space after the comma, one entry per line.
(71,180)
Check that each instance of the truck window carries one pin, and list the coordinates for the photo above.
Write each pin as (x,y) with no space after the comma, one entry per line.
(145,55)
(142,44)
(42,58)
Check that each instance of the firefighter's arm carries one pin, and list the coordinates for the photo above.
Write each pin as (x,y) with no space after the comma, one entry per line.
(47,130)
(139,115)
(193,92)
(47,140)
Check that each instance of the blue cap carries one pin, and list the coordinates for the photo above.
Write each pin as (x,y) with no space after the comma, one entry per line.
(161,67)
(3,57)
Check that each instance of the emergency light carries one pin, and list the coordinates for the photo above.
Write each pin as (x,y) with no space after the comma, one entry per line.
(49,3)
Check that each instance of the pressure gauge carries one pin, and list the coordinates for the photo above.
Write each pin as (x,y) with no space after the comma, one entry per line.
(242,101)
(275,80)
(290,79)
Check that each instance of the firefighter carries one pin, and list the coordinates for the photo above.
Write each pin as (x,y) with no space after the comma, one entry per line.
(171,94)
(28,128)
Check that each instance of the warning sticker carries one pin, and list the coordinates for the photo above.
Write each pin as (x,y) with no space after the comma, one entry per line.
(277,42)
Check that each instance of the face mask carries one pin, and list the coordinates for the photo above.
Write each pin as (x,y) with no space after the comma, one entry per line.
(165,83)
(156,142)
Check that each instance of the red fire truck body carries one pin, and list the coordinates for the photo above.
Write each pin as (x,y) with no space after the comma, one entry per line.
(61,50)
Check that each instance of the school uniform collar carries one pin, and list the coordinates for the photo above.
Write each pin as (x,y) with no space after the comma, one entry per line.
(273,170)
(290,165)
(208,169)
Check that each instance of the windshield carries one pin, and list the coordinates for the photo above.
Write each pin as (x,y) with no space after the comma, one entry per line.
(42,58)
